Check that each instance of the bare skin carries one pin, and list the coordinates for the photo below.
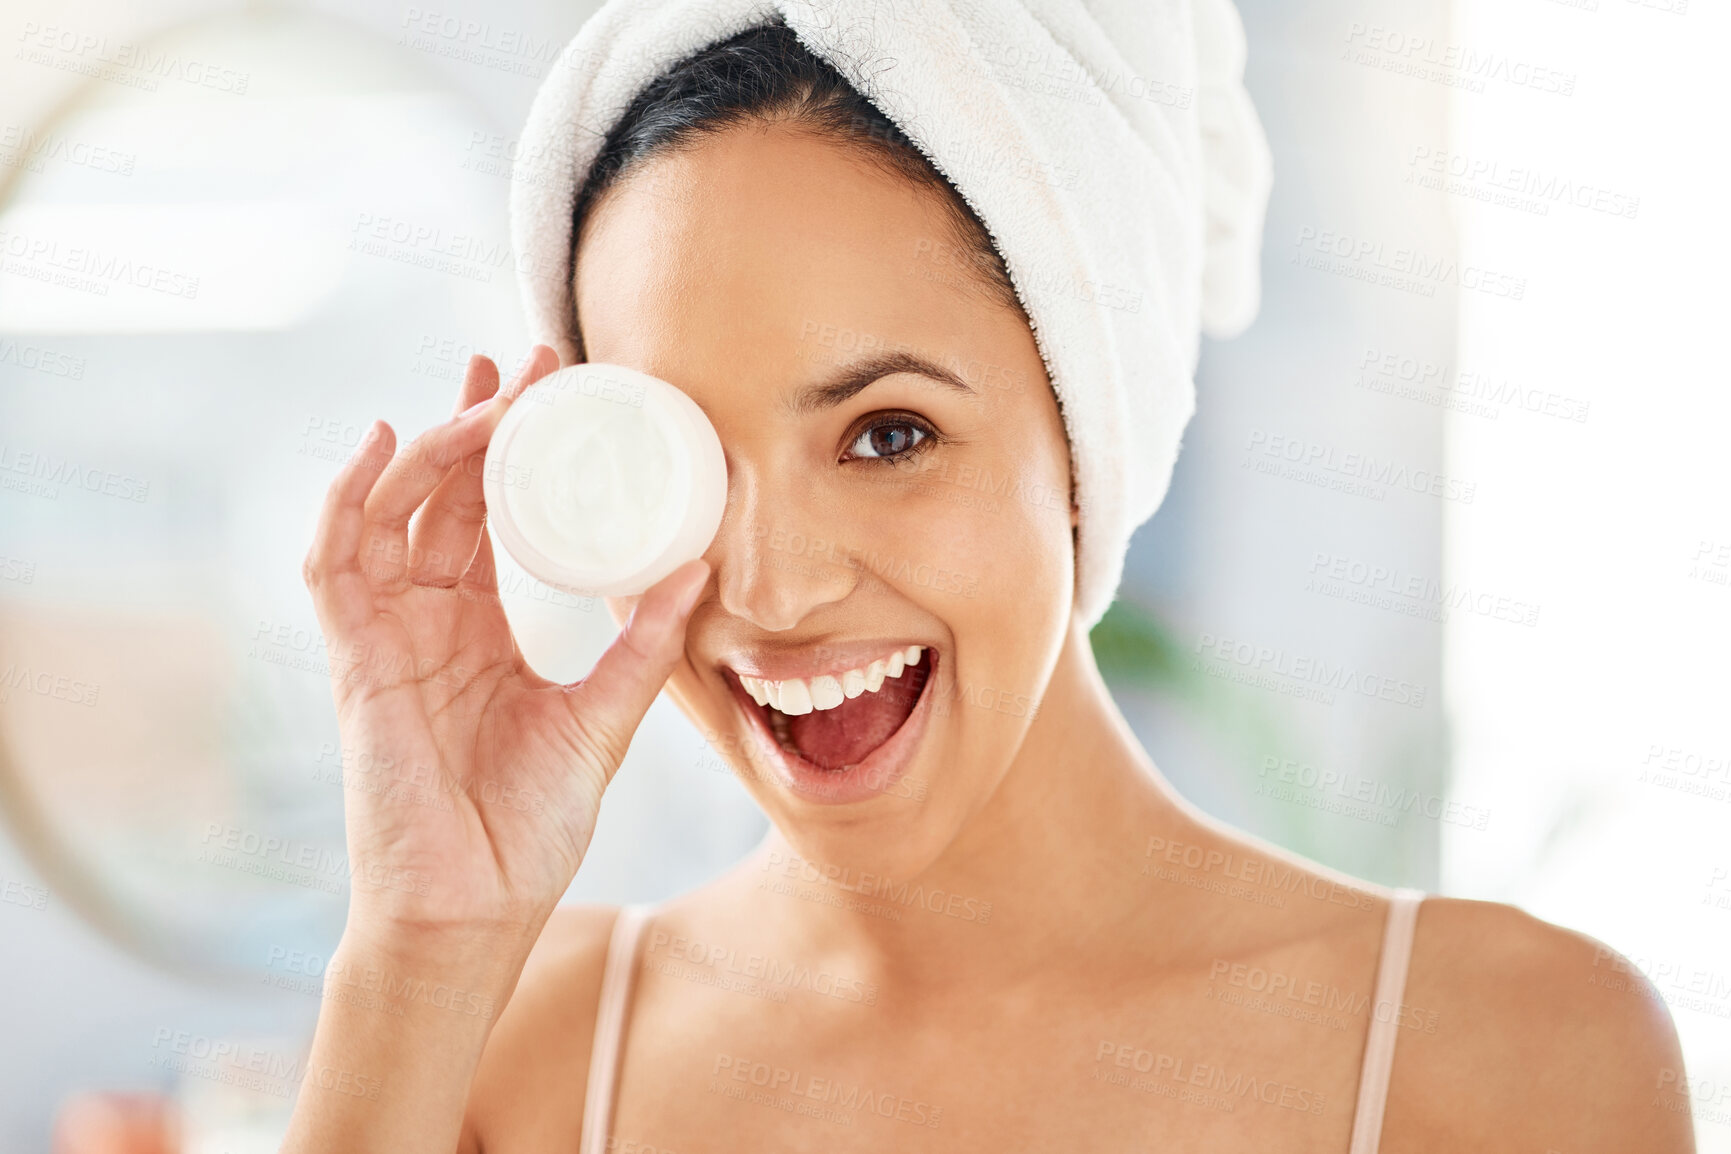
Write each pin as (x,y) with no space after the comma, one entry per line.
(1077,967)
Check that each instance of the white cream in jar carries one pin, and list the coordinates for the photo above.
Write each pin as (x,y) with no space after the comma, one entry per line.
(602,480)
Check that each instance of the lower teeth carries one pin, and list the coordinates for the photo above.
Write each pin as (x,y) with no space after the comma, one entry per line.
(778,725)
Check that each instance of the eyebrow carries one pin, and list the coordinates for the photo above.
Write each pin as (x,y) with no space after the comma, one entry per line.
(856,377)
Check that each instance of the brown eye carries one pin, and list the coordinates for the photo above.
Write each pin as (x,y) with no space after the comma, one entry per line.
(888,440)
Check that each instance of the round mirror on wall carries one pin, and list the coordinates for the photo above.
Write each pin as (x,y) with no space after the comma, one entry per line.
(214,274)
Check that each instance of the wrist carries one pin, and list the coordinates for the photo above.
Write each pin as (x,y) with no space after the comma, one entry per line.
(405,1021)
(389,925)
(468,973)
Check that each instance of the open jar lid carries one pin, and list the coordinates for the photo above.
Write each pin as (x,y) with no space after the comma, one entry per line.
(601,480)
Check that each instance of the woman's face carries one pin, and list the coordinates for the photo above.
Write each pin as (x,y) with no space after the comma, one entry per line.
(898,477)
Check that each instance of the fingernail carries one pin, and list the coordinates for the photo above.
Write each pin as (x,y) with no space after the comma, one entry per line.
(475,408)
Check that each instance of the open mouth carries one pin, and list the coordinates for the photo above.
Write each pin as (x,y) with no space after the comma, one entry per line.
(843,735)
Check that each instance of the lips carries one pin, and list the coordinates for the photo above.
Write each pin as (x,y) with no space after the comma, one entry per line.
(836,751)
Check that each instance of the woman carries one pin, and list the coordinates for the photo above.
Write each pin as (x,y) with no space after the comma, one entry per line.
(982,919)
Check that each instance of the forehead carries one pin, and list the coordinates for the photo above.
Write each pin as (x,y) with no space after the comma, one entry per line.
(761,242)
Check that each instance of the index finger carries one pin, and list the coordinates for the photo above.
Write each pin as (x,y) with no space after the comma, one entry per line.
(416,472)
(540,361)
(342,597)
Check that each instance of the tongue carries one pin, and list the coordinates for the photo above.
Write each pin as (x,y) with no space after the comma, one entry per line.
(845,735)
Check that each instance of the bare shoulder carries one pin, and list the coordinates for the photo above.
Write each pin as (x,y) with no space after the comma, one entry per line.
(528,1092)
(1520,1035)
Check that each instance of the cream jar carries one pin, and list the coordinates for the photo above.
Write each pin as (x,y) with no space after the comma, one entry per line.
(601,480)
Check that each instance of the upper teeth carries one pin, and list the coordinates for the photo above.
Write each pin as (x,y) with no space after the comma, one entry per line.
(797,695)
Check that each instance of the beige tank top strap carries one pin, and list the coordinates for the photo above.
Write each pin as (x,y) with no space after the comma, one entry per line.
(1384,1020)
(618,975)
(620,971)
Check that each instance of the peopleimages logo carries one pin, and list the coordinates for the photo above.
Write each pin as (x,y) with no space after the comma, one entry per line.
(1398,267)
(252,1067)
(1279,877)
(41,360)
(1268,667)
(1388,587)
(16,678)
(141,66)
(1273,991)
(88,270)
(712,958)
(908,895)
(1455,65)
(43,474)
(238,1056)
(1362,469)
(1380,798)
(1209,1082)
(1488,178)
(830,1092)
(1472,391)
(885,567)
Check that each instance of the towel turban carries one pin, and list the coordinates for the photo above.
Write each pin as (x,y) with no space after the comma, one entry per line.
(1108,146)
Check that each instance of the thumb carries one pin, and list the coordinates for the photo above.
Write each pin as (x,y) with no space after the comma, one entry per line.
(609,704)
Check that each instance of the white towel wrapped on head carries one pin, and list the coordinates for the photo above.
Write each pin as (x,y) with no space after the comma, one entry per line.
(1108,146)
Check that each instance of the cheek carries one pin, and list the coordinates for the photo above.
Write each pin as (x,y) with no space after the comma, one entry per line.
(1004,543)
(972,536)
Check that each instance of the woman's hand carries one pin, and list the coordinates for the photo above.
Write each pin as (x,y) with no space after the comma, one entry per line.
(475,783)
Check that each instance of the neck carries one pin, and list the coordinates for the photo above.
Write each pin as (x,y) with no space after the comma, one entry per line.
(1056,852)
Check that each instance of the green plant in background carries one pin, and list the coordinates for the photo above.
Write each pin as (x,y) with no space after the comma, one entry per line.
(1134,647)
(1139,654)
(1136,651)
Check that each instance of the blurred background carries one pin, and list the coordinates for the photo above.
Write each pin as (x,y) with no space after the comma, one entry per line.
(1496,262)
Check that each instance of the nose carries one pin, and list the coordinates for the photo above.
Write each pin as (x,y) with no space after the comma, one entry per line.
(773,560)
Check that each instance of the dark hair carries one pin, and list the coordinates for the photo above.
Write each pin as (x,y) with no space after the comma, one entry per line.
(765,74)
